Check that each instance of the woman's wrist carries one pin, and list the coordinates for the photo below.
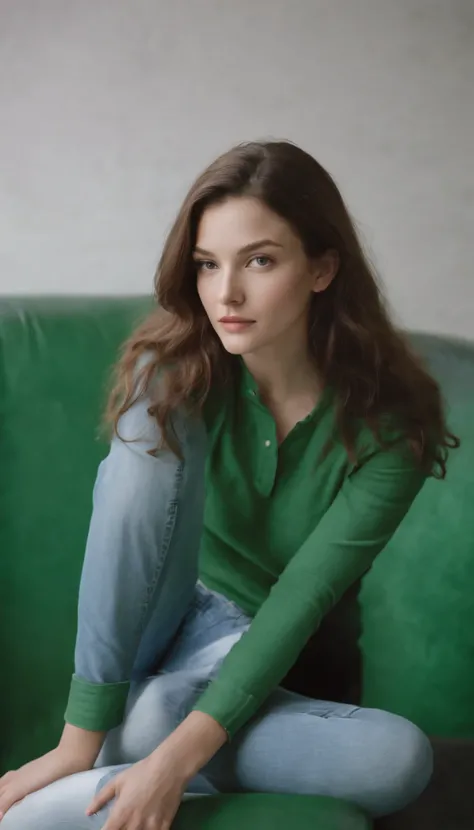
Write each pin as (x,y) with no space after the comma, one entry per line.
(193,743)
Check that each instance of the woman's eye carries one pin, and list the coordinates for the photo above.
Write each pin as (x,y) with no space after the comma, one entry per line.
(262,261)
(204,264)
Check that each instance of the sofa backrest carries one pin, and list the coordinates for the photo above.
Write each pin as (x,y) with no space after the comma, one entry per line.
(55,357)
(418,600)
(55,360)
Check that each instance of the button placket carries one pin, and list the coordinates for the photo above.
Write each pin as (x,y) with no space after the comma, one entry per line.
(267,454)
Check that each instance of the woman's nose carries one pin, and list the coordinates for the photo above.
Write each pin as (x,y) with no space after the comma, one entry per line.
(231,292)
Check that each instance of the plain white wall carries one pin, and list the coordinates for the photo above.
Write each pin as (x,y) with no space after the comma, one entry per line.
(109,108)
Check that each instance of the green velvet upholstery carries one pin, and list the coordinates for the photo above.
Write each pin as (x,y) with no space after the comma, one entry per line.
(417,603)
(416,606)
(269,812)
(54,360)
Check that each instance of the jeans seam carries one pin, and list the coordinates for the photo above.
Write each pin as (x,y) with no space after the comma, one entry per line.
(169,528)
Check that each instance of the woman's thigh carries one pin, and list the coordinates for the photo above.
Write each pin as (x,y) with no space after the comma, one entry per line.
(296,744)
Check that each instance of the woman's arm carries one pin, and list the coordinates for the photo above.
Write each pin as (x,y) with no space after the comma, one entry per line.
(365,514)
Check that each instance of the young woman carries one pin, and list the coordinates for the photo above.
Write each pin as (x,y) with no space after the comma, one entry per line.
(271,380)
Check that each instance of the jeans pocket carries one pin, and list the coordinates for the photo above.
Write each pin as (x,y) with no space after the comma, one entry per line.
(217,604)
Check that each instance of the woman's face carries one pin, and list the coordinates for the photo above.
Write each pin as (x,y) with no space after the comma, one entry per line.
(254,278)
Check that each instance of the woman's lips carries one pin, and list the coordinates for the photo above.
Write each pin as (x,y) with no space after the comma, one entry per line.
(232,324)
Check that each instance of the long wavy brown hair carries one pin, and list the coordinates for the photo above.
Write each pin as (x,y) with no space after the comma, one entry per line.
(356,348)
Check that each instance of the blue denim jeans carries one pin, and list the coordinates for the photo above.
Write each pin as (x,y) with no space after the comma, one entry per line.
(144,616)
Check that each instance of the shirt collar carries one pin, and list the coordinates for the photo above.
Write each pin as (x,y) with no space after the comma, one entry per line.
(249,389)
(248,384)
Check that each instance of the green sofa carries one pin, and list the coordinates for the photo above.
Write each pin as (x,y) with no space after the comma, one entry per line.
(403,641)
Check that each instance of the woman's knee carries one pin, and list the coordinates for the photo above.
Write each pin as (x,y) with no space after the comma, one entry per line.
(16,819)
(401,767)
(60,806)
(153,712)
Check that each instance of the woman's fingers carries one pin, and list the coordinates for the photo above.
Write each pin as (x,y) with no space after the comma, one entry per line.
(102,798)
(8,800)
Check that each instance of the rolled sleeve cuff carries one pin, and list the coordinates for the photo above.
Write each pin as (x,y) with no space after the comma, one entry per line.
(229,706)
(96,707)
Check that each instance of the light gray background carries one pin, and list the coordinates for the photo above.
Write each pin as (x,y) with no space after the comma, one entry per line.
(109,108)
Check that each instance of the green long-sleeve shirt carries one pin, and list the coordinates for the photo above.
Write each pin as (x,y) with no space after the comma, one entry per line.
(287,531)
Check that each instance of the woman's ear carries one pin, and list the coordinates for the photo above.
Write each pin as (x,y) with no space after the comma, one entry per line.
(325,269)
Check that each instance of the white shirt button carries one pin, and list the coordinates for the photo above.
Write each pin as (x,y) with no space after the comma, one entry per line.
(268,443)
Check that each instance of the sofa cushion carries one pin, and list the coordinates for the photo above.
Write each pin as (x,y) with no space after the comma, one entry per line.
(259,811)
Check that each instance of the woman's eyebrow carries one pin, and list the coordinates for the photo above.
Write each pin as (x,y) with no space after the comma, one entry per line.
(245,250)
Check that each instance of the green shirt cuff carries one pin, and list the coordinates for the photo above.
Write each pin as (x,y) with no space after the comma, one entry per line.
(229,706)
(96,707)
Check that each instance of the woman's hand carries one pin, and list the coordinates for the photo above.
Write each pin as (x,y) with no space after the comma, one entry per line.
(76,752)
(147,795)
(35,775)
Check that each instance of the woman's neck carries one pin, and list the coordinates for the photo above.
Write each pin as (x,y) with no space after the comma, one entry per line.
(281,377)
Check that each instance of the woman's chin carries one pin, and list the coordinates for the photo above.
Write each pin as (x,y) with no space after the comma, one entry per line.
(237,345)
(234,348)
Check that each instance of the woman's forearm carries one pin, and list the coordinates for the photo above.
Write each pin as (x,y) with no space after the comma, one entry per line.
(81,745)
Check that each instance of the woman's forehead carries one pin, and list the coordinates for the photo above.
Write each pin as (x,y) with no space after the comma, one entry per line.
(238,222)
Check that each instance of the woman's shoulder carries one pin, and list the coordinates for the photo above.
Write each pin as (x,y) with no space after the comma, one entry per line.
(387,437)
